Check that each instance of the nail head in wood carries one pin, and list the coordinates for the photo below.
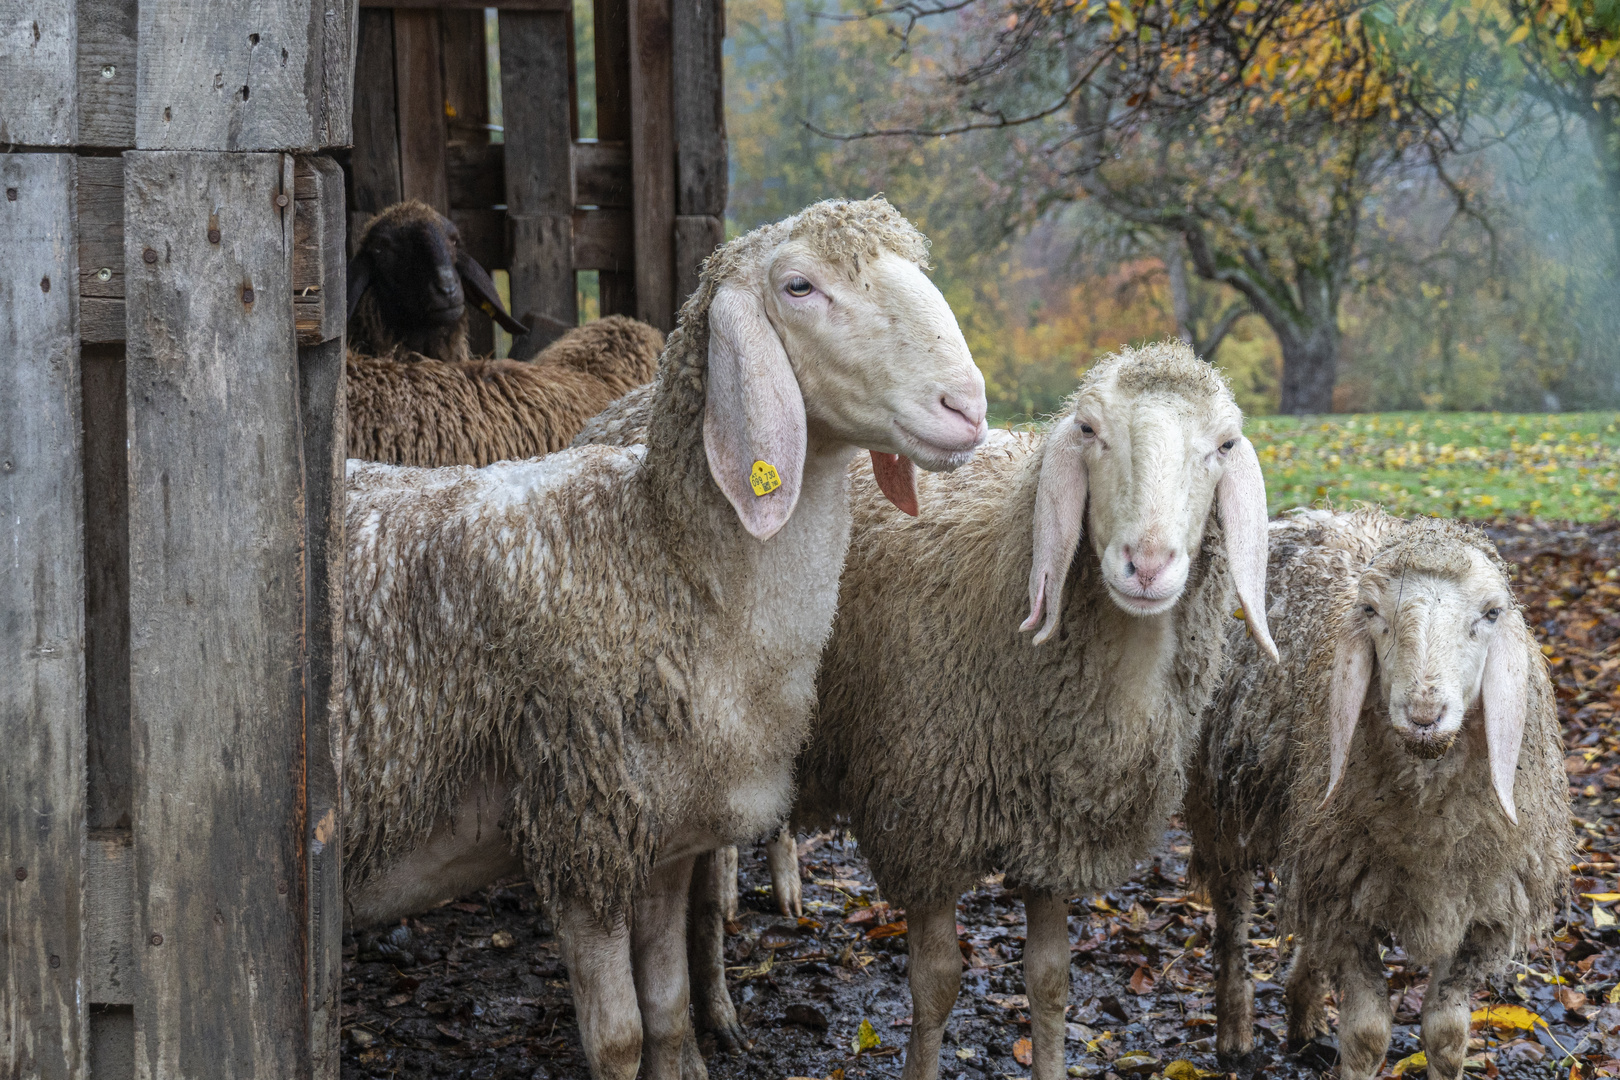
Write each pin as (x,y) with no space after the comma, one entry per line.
(156,939)
(149,256)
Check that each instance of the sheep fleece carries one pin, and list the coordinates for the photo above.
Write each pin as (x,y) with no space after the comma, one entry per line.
(1416,848)
(954,747)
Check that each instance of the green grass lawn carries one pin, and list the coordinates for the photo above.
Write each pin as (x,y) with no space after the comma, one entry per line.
(1484,465)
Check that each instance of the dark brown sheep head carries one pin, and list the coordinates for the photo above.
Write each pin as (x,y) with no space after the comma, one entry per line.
(415,278)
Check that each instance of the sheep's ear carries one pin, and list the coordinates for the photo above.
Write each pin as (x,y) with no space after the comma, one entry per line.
(896,477)
(1060,509)
(476,280)
(754,427)
(359,280)
(1241,494)
(1347,689)
(1505,693)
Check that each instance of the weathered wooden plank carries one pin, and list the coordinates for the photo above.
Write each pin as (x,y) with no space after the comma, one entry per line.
(374,164)
(612,18)
(101,228)
(106,574)
(477,174)
(539,171)
(323,416)
(604,240)
(101,320)
(109,917)
(217,616)
(483,236)
(480,5)
(242,75)
(652,161)
(106,65)
(37,51)
(319,260)
(601,173)
(420,82)
(700,109)
(466,80)
(112,1042)
(42,778)
(696,237)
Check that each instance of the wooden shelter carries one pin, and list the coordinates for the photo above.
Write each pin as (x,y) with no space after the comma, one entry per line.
(172,236)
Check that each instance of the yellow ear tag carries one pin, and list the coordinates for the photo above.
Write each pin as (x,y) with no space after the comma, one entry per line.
(764,479)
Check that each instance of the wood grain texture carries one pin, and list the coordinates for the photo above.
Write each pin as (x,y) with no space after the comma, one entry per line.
(106,574)
(109,917)
(466,82)
(604,240)
(420,82)
(319,260)
(217,616)
(478,5)
(477,175)
(700,108)
(542,271)
(696,237)
(106,66)
(242,74)
(374,163)
(101,229)
(38,83)
(101,320)
(612,18)
(323,413)
(602,173)
(652,161)
(42,770)
(483,236)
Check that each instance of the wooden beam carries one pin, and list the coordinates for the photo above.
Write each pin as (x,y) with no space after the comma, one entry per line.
(477,5)
(106,65)
(652,161)
(101,250)
(110,917)
(374,164)
(539,172)
(618,290)
(700,107)
(38,44)
(696,237)
(42,777)
(243,75)
(319,263)
(218,616)
(420,82)
(604,240)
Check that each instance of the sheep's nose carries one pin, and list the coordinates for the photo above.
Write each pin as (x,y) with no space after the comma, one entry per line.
(1426,714)
(449,282)
(1145,564)
(970,407)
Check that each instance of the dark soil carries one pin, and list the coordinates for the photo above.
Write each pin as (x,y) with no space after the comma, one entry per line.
(483,995)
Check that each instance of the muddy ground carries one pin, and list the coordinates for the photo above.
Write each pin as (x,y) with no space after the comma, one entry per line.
(483,995)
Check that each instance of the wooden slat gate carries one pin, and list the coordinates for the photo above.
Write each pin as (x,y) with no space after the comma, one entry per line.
(171,440)
(643,203)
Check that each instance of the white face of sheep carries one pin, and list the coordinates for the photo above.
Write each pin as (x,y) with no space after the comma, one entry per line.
(1441,644)
(816,355)
(1153,464)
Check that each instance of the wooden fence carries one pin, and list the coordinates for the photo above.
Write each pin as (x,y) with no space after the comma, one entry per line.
(172,239)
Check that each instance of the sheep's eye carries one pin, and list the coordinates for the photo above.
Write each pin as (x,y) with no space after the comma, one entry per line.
(1493,614)
(1369,610)
(798,287)
(1087,429)
(1227,445)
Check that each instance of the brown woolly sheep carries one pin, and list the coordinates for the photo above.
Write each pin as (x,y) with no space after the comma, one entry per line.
(597,664)
(408,286)
(954,749)
(1430,804)
(413,411)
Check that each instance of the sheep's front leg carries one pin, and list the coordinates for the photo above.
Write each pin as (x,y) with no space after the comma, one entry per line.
(706,949)
(599,974)
(1364,1015)
(782,856)
(936,976)
(728,884)
(1445,1003)
(1306,999)
(1232,895)
(1046,979)
(659,943)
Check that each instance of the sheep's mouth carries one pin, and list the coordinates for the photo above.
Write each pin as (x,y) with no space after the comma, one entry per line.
(1142,603)
(443,315)
(1427,744)
(937,457)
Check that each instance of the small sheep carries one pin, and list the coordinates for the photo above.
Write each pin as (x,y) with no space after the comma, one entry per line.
(1433,808)
(408,286)
(405,411)
(597,664)
(953,748)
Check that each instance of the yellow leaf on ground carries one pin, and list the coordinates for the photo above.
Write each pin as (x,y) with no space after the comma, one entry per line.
(1506,1018)
(966,1053)
(1023,1051)
(866,1038)
(1602,918)
(1416,1061)
(1602,897)
(1183,1069)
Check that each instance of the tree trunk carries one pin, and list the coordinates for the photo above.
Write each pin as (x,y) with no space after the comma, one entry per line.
(1310,365)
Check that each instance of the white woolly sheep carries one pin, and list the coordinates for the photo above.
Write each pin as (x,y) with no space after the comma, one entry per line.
(597,664)
(956,750)
(1432,807)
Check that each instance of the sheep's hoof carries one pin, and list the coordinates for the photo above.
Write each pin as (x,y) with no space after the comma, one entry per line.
(730,1035)
(392,947)
(1243,1064)
(1319,1053)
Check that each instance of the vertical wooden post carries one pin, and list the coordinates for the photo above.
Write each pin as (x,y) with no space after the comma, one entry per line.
(652,161)
(612,17)
(700,138)
(419,77)
(37,46)
(42,770)
(374,165)
(539,172)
